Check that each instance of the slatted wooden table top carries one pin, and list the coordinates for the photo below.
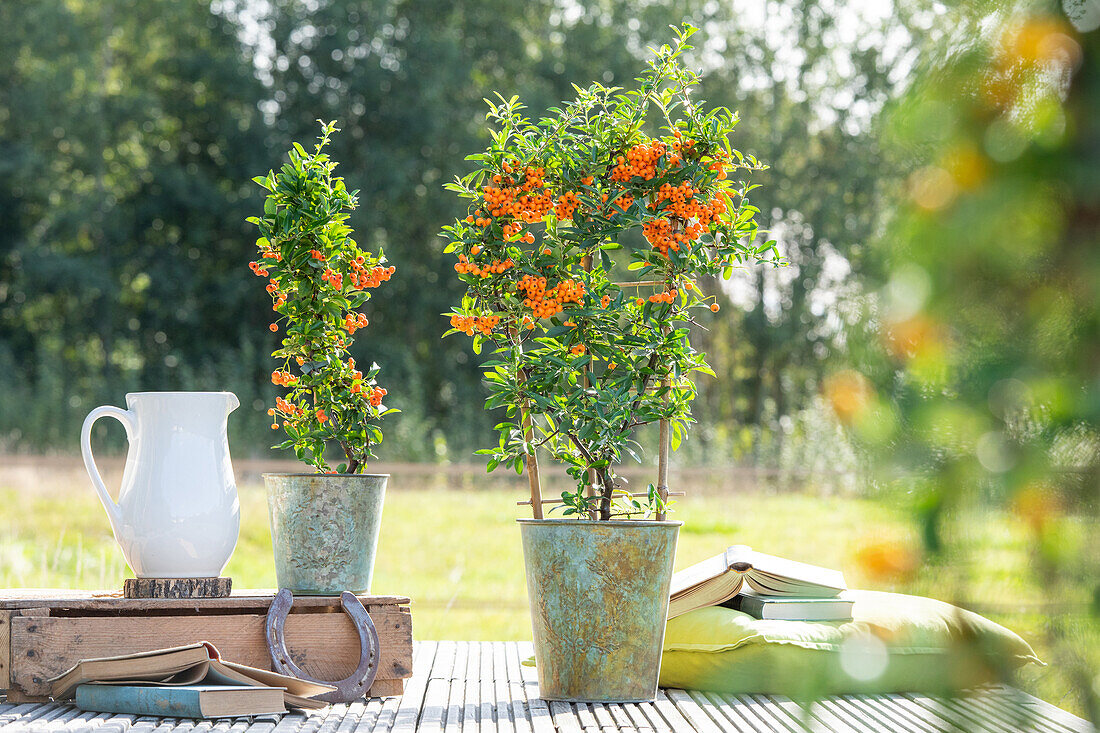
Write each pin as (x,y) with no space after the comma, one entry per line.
(481,687)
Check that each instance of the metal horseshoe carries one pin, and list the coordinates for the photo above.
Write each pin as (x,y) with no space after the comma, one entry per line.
(347,690)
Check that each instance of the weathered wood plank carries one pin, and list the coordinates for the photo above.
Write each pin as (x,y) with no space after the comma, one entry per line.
(515,698)
(1058,719)
(772,716)
(456,688)
(388,712)
(371,708)
(858,718)
(408,711)
(502,699)
(715,716)
(486,722)
(953,718)
(743,714)
(44,647)
(586,717)
(472,704)
(653,717)
(801,714)
(668,710)
(694,714)
(887,714)
(896,701)
(255,600)
(436,691)
(1004,713)
(5,650)
(638,720)
(603,718)
(539,712)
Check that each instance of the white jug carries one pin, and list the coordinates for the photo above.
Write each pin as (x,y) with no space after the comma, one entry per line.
(178,515)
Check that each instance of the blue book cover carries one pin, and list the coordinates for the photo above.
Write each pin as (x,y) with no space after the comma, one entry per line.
(184,701)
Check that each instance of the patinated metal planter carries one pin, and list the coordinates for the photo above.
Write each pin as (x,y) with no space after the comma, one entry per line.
(599,601)
(324,530)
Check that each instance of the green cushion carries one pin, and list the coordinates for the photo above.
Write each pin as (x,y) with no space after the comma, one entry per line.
(895,643)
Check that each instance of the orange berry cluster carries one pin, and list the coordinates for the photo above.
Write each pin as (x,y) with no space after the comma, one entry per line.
(545,303)
(333,278)
(527,201)
(639,161)
(567,204)
(693,217)
(376,396)
(464,267)
(719,163)
(288,409)
(257,269)
(577,350)
(511,230)
(352,323)
(666,297)
(363,278)
(468,324)
(283,378)
(322,417)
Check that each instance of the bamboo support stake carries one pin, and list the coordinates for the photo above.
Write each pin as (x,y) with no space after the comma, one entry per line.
(662,466)
(589,492)
(663,440)
(529,439)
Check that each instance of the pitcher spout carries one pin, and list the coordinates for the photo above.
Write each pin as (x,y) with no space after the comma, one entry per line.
(232,403)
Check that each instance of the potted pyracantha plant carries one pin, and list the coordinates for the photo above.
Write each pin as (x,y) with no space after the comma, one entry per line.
(587,240)
(324,523)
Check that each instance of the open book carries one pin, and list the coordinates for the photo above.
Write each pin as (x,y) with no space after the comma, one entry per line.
(193,664)
(719,578)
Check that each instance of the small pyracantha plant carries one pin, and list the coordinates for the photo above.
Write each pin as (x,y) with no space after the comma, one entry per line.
(581,359)
(318,278)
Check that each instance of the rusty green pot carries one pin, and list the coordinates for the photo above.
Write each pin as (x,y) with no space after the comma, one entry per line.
(599,601)
(324,530)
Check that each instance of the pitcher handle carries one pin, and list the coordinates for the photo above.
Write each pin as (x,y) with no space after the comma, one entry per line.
(128,422)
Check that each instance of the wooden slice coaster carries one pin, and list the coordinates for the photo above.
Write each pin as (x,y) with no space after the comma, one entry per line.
(177,587)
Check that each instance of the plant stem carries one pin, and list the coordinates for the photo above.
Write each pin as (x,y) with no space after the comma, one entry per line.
(534,483)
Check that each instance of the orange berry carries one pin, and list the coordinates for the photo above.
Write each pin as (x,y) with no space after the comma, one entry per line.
(273,327)
(714,307)
(475,250)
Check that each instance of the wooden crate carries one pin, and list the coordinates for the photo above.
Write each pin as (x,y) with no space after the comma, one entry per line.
(44,632)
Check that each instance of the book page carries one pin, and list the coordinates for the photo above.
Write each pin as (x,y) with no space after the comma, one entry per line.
(698,574)
(773,575)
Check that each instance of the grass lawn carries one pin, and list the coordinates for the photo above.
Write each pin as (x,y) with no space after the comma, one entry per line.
(457,554)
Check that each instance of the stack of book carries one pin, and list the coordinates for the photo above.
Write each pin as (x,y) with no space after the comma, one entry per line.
(185,682)
(763,586)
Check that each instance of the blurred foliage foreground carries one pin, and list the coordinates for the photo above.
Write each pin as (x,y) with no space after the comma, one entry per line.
(982,383)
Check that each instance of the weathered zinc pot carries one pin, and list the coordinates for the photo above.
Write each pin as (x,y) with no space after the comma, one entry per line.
(324,530)
(599,601)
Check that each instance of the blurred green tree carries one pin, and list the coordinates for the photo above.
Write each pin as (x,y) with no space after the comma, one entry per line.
(981,386)
(128,131)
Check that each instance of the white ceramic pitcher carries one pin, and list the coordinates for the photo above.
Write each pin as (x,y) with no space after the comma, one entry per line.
(177,514)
